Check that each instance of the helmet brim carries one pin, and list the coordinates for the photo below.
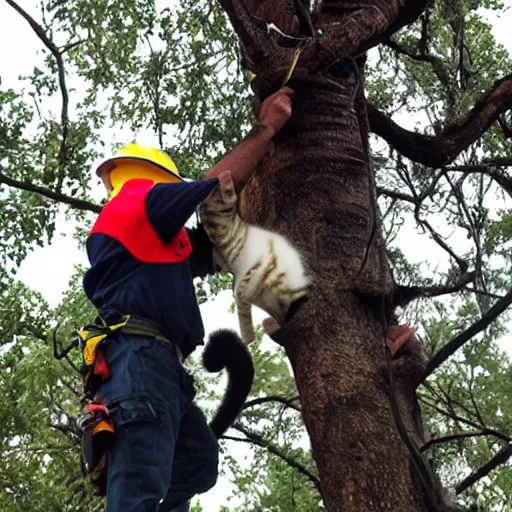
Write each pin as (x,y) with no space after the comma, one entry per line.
(110,164)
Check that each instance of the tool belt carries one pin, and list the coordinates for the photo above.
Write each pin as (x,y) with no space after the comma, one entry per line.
(98,433)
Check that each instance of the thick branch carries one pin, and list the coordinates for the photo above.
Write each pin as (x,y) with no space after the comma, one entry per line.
(441,150)
(78,204)
(500,458)
(452,346)
(64,119)
(353,33)
(260,441)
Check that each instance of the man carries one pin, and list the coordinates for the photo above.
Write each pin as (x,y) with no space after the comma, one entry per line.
(143,261)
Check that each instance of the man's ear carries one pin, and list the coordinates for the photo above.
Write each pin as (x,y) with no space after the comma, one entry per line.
(227,188)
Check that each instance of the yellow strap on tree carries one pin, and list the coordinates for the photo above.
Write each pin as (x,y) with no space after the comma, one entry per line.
(293,65)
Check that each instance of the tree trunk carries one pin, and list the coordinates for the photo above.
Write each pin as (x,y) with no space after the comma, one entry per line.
(313,187)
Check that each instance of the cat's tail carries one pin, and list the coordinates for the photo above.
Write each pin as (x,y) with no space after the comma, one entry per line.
(225,349)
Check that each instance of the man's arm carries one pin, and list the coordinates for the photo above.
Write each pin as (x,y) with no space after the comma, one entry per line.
(243,159)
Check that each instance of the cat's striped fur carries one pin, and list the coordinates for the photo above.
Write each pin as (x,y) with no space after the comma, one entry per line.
(268,270)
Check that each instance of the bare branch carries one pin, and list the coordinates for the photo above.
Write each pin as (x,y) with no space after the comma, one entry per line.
(456,437)
(381,191)
(436,63)
(499,162)
(62,84)
(502,179)
(443,149)
(78,204)
(405,294)
(484,293)
(461,419)
(452,346)
(500,458)
(439,240)
(288,402)
(260,441)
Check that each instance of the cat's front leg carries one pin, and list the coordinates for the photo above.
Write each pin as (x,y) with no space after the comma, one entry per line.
(244,312)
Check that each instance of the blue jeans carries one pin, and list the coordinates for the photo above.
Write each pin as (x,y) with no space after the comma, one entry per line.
(165,452)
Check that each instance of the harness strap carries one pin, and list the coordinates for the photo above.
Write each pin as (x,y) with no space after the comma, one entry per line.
(98,431)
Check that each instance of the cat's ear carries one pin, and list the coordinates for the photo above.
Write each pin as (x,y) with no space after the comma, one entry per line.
(227,188)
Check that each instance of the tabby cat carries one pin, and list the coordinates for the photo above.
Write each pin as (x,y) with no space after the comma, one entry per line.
(268,270)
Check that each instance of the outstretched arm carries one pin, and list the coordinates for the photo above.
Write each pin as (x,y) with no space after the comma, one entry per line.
(243,159)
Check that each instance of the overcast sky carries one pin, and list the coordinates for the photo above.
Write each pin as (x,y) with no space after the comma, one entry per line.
(21,53)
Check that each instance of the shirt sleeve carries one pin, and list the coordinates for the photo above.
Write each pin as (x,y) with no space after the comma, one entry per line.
(201,258)
(170,205)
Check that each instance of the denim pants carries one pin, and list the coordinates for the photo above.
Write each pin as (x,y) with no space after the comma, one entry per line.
(165,452)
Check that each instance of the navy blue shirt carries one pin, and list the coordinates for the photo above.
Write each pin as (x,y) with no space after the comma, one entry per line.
(160,292)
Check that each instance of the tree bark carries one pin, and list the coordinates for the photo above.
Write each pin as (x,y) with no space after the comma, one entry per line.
(314,187)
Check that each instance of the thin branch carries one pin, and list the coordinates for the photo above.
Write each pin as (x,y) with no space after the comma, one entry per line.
(502,179)
(67,47)
(452,346)
(436,63)
(472,397)
(78,204)
(482,292)
(288,402)
(439,240)
(405,294)
(260,441)
(500,458)
(444,148)
(461,419)
(456,437)
(499,162)
(62,83)
(381,191)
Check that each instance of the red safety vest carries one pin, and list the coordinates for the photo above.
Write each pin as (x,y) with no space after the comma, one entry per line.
(124,218)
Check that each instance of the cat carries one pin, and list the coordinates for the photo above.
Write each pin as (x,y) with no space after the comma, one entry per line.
(269,272)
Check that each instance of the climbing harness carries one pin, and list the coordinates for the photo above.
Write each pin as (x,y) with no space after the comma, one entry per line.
(98,432)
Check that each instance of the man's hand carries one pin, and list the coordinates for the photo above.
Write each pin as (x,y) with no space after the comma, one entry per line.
(242,161)
(276,110)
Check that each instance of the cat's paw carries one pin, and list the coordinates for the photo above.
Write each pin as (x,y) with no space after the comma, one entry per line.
(227,188)
(270,326)
(247,334)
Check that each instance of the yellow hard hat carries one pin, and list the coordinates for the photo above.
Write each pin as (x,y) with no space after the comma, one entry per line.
(134,161)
